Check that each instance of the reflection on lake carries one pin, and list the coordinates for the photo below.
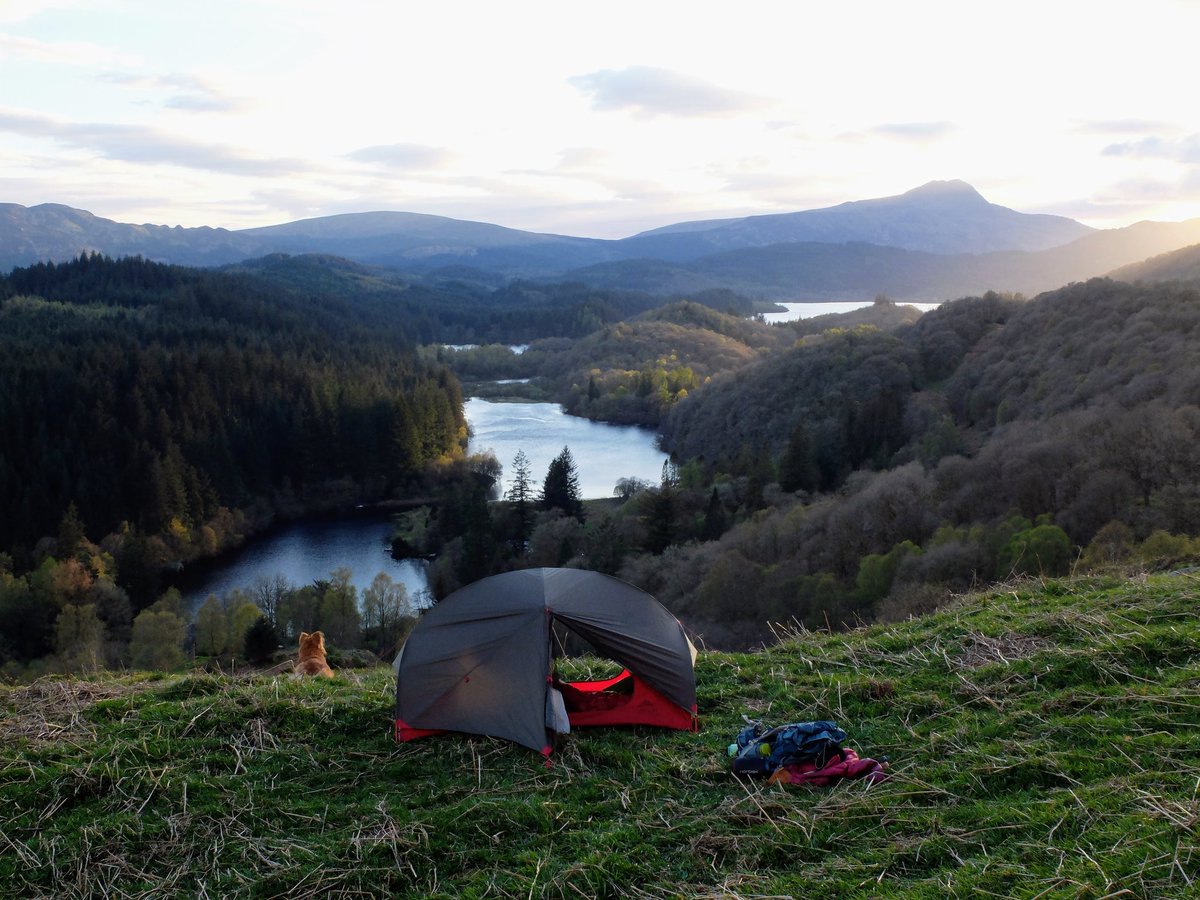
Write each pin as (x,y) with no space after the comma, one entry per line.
(603,453)
(827,307)
(518,349)
(305,551)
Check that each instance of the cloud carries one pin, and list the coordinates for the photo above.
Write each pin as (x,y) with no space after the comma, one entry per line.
(60,53)
(914,131)
(1134,199)
(760,182)
(651,91)
(775,192)
(788,127)
(138,144)
(204,103)
(403,156)
(595,171)
(582,159)
(1183,150)
(1152,190)
(195,94)
(1113,209)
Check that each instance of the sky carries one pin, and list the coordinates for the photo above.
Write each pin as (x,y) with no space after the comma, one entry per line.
(594,119)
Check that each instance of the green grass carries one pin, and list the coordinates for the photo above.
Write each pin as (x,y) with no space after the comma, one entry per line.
(1045,741)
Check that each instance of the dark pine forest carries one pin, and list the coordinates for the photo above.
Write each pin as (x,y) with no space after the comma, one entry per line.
(155,399)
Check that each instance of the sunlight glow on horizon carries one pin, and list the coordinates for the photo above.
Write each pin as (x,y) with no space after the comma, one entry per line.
(543,118)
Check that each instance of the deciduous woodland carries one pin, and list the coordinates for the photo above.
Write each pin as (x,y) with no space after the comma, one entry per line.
(824,472)
(870,471)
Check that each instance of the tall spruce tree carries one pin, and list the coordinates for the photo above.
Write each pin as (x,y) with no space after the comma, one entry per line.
(520,495)
(560,490)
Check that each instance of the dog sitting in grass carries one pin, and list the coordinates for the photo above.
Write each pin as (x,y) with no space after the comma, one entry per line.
(312,655)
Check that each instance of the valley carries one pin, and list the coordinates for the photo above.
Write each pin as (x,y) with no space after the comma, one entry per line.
(844,468)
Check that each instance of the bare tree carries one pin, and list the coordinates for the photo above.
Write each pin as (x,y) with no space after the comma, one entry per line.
(268,593)
(386,607)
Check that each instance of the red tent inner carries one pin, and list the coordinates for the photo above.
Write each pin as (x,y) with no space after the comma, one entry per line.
(623,700)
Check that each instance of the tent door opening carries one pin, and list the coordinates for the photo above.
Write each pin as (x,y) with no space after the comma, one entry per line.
(620,699)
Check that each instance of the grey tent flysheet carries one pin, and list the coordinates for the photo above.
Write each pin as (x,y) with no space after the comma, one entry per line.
(480,661)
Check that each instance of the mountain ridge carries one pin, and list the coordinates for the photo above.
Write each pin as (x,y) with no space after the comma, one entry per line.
(928,188)
(936,217)
(47,231)
(813,270)
(899,245)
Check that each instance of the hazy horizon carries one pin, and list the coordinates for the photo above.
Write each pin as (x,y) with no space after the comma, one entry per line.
(601,124)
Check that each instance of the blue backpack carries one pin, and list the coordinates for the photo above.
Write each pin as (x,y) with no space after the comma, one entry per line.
(760,751)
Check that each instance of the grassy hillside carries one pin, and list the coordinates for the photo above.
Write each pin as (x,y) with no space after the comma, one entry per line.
(1043,740)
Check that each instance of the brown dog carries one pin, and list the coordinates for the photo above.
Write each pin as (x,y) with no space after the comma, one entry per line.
(312,655)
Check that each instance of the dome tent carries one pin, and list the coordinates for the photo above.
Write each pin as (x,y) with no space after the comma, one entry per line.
(481,660)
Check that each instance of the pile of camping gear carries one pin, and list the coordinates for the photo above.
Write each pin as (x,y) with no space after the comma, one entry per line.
(801,753)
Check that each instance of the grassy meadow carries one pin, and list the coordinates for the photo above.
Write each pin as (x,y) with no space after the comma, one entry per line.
(1044,741)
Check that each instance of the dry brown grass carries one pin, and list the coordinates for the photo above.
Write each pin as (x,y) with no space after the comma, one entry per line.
(51,709)
(982,650)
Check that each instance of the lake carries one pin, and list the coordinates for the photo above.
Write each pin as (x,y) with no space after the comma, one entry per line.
(603,453)
(305,551)
(826,307)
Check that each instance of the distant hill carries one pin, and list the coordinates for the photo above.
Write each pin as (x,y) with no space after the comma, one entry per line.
(52,232)
(982,363)
(826,271)
(1178,265)
(436,309)
(937,241)
(939,217)
(1072,415)
(413,240)
(632,372)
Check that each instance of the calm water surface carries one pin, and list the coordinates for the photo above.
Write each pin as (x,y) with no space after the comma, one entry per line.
(603,454)
(303,552)
(825,307)
(306,551)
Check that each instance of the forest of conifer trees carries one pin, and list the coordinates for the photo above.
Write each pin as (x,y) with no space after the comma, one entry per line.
(165,404)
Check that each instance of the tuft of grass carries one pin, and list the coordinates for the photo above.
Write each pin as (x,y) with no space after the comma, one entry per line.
(1044,741)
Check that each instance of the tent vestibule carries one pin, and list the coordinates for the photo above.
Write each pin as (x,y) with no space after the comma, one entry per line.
(481,661)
